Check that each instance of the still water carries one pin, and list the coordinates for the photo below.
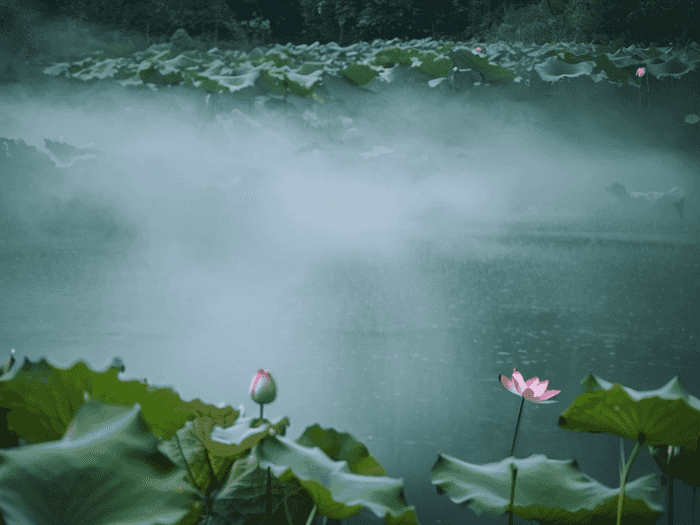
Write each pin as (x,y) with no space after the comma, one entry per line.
(402,353)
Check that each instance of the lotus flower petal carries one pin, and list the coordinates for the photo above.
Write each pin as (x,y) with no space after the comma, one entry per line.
(532,389)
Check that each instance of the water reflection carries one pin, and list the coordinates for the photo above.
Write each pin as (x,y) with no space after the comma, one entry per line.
(404,356)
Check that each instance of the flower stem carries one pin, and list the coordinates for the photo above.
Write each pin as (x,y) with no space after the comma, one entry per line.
(311,516)
(517,424)
(512,494)
(515,470)
(623,477)
(268,499)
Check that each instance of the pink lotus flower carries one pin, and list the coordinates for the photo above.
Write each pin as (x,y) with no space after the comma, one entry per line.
(640,73)
(535,391)
(532,389)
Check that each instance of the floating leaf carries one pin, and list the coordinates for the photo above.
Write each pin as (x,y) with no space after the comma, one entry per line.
(359,74)
(492,73)
(548,491)
(691,118)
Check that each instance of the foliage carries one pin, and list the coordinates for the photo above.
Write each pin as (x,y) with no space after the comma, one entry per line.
(531,24)
(104,460)
(330,21)
(614,24)
(92,442)
(257,30)
(605,22)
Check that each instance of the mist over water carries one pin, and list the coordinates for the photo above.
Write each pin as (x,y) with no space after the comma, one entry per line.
(374,288)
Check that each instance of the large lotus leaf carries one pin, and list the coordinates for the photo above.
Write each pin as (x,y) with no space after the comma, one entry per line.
(340,446)
(43,399)
(224,469)
(614,73)
(278,80)
(206,449)
(464,59)
(105,470)
(673,67)
(436,66)
(359,74)
(152,75)
(209,461)
(234,441)
(222,83)
(244,497)
(665,416)
(337,492)
(187,449)
(546,490)
(394,55)
(553,69)
(276,59)
(333,487)
(683,464)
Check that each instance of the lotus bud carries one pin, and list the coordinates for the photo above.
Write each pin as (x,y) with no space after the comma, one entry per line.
(263,389)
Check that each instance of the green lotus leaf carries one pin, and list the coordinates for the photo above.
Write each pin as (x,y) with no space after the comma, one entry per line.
(394,55)
(436,66)
(106,469)
(359,74)
(223,467)
(669,415)
(244,496)
(683,465)
(492,73)
(278,81)
(337,492)
(546,490)
(208,460)
(614,73)
(554,69)
(276,59)
(42,400)
(341,446)
(205,448)
(301,477)
(151,75)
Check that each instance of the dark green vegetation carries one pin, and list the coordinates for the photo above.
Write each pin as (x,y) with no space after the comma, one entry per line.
(184,463)
(28,31)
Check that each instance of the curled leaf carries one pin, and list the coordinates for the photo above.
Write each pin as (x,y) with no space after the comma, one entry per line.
(42,399)
(105,470)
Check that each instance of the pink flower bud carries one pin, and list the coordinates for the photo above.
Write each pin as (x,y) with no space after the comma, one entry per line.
(263,389)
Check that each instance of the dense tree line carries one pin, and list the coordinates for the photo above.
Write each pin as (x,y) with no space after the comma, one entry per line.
(347,21)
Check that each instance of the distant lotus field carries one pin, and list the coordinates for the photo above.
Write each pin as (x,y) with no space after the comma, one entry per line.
(317,72)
